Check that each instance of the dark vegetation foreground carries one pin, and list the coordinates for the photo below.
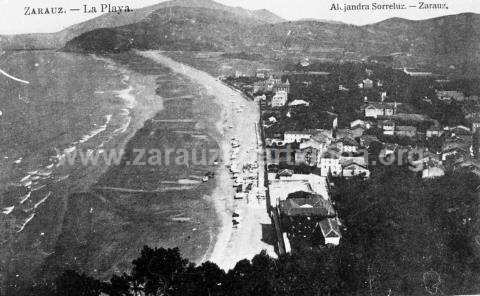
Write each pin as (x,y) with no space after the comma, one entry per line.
(402,236)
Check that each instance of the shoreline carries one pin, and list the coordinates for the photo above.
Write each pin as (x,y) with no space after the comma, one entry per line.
(228,245)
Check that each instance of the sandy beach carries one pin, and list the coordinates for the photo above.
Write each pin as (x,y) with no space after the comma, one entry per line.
(238,120)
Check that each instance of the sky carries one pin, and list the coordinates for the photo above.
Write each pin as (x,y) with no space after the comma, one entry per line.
(13,20)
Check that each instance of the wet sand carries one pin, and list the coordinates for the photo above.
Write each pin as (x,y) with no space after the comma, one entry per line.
(230,245)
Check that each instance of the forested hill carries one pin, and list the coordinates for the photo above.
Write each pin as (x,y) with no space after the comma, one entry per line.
(113,20)
(451,39)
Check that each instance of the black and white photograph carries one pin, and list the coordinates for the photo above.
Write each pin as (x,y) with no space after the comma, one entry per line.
(239,148)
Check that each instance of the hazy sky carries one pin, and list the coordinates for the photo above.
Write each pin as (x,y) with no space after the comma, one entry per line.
(13,21)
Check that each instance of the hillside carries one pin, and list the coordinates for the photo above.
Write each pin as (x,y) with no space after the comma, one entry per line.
(207,25)
(452,38)
(172,28)
(58,40)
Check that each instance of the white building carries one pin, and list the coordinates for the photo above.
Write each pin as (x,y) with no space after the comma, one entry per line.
(297,136)
(299,103)
(330,165)
(279,99)
(281,186)
(331,231)
(354,169)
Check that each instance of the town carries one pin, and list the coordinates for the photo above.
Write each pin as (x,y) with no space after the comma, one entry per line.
(321,123)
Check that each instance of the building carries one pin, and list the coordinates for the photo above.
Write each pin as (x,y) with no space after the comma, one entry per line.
(282,86)
(388,127)
(475,126)
(307,205)
(306,156)
(367,83)
(279,99)
(405,131)
(375,109)
(434,132)
(280,186)
(347,144)
(447,95)
(263,73)
(299,103)
(354,169)
(297,136)
(432,171)
(417,73)
(329,163)
(357,122)
(330,228)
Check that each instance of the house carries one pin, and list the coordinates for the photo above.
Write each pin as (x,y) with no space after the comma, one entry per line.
(263,73)
(272,119)
(297,136)
(260,98)
(434,132)
(329,163)
(299,103)
(475,125)
(388,127)
(405,131)
(367,83)
(279,99)
(282,86)
(330,228)
(447,95)
(375,109)
(354,169)
(432,171)
(342,88)
(357,122)
(348,144)
(307,156)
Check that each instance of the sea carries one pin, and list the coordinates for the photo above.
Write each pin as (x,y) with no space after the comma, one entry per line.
(55,215)
(70,102)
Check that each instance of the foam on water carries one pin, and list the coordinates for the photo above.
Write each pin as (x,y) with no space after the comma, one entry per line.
(97,131)
(8,210)
(26,222)
(42,200)
(25,197)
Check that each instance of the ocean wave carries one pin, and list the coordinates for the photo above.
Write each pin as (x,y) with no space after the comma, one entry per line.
(38,187)
(25,197)
(8,210)
(97,131)
(42,200)
(62,178)
(26,222)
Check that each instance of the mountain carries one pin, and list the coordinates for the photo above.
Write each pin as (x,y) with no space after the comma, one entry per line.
(442,36)
(208,25)
(207,22)
(112,20)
